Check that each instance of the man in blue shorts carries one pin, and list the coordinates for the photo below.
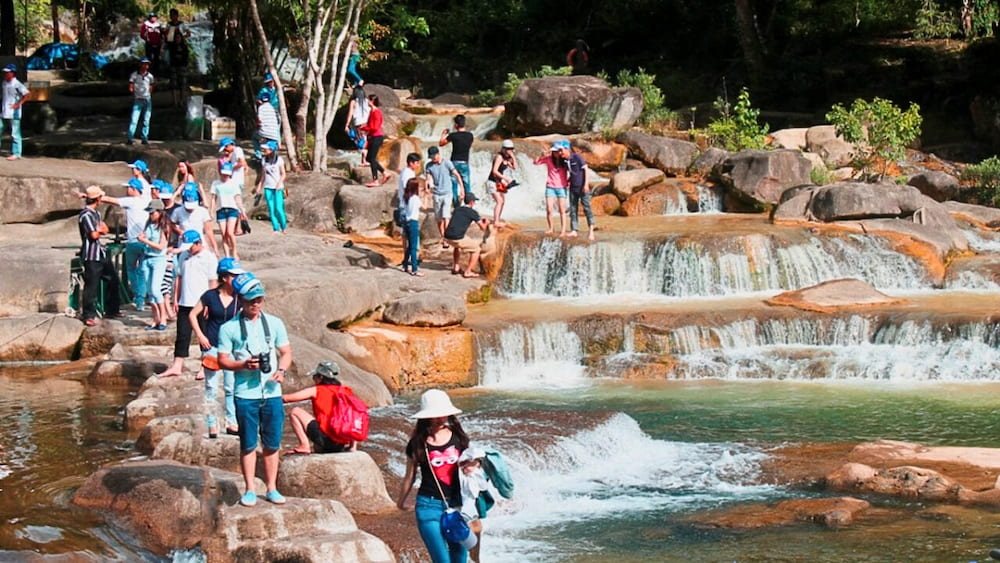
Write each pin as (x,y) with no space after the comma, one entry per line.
(255,346)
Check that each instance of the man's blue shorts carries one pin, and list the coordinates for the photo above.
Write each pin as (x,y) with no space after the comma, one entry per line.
(260,417)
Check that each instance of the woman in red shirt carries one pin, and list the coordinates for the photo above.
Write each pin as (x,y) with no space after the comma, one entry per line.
(375,138)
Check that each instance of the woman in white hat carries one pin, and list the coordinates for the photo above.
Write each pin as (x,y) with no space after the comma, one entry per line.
(435,446)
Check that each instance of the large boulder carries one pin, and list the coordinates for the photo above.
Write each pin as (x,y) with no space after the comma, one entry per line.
(602,156)
(37,200)
(429,309)
(195,449)
(672,156)
(762,176)
(981,215)
(708,160)
(38,337)
(658,199)
(833,295)
(310,205)
(365,385)
(624,184)
(824,141)
(360,208)
(858,200)
(353,478)
(570,104)
(605,204)
(939,186)
(794,139)
(164,396)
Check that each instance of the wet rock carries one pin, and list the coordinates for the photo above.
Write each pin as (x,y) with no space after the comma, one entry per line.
(164,396)
(426,309)
(980,215)
(903,481)
(605,204)
(360,208)
(939,186)
(789,138)
(830,512)
(602,156)
(196,449)
(833,295)
(708,160)
(570,104)
(156,429)
(672,156)
(353,478)
(762,176)
(657,199)
(39,337)
(624,184)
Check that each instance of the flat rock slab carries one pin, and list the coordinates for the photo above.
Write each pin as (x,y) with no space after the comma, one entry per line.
(834,295)
(833,512)
(38,337)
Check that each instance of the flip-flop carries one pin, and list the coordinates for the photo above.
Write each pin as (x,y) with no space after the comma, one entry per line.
(470,276)
(296,451)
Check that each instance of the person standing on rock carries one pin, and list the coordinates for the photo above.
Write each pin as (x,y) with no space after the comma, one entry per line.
(255,345)
(579,189)
(405,175)
(196,274)
(556,187)
(272,183)
(151,34)
(227,207)
(578,57)
(233,154)
(271,90)
(435,445)
(315,427)
(140,84)
(442,175)
(267,124)
(499,180)
(14,95)
(461,146)
(358,112)
(167,196)
(97,264)
(352,64)
(155,237)
(374,135)
(215,308)
(192,216)
(134,205)
(456,236)
(411,230)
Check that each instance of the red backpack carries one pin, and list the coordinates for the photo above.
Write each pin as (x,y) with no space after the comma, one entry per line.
(348,419)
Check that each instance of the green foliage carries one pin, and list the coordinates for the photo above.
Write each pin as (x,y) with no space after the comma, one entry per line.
(483,98)
(736,127)
(986,177)
(513,81)
(652,96)
(820,176)
(879,129)
(393,26)
(934,22)
(985,15)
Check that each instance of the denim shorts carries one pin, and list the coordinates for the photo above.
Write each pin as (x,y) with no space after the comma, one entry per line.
(556,192)
(227,213)
(260,417)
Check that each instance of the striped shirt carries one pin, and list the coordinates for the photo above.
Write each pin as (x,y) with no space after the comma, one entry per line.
(90,249)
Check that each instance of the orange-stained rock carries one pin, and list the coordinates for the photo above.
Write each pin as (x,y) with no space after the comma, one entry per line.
(394,152)
(605,204)
(408,358)
(657,199)
(602,156)
(832,295)
(830,512)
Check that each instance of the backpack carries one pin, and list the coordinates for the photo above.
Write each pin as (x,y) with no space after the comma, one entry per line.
(497,472)
(349,420)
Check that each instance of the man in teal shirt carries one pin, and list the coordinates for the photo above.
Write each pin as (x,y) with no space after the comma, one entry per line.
(255,346)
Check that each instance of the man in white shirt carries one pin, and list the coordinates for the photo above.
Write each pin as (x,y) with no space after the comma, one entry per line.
(140,83)
(14,96)
(134,204)
(196,274)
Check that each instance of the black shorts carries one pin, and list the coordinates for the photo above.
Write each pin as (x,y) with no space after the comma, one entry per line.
(323,444)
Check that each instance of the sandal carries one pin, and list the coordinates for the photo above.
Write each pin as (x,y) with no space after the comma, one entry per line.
(417,274)
(296,451)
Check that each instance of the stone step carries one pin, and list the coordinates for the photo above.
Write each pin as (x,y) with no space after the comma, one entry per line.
(355,546)
(298,517)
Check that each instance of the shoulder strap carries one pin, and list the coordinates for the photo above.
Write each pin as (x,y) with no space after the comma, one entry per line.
(431,468)
(263,320)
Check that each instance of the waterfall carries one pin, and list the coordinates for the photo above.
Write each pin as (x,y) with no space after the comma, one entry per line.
(527,200)
(526,356)
(684,267)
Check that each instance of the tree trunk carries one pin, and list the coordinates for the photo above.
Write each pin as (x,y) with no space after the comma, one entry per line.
(286,126)
(8,34)
(83,33)
(56,36)
(749,38)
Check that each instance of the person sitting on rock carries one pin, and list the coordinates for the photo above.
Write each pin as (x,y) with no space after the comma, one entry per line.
(456,236)
(315,427)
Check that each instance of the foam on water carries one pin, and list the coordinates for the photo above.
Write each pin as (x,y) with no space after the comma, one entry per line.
(519,356)
(610,472)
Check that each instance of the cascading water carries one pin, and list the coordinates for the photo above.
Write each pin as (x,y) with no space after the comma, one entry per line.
(547,354)
(683,268)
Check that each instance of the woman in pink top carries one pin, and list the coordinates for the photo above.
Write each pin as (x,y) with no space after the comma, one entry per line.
(556,186)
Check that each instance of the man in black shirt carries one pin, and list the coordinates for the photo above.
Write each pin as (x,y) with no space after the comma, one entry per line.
(461,145)
(96,263)
(455,236)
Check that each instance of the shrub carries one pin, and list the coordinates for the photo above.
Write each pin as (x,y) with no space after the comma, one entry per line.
(514,81)
(652,96)
(879,129)
(736,127)
(934,22)
(483,98)
(820,176)
(986,177)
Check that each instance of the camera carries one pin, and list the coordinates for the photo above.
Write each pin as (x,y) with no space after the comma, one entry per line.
(264,362)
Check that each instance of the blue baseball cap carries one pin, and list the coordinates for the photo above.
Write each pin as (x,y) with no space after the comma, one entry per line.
(273,145)
(264,97)
(191,237)
(140,165)
(248,286)
(136,184)
(268,77)
(144,60)
(166,190)
(190,196)
(226,168)
(230,266)
(225,142)
(10,68)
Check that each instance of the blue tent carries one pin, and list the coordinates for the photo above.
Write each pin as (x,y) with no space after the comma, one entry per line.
(45,57)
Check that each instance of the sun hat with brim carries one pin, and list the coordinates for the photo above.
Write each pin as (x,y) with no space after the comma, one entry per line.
(225,142)
(326,369)
(154,205)
(435,403)
(229,265)
(94,192)
(507,144)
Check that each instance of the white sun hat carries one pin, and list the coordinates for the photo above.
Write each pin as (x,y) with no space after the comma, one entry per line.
(435,403)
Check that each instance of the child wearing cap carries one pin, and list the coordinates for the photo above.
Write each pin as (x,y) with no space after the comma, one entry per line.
(192,216)
(314,427)
(227,207)
(140,84)
(154,262)
(14,96)
(272,182)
